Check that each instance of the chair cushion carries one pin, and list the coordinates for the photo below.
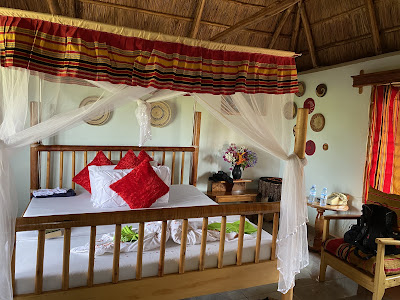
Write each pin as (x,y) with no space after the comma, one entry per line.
(345,252)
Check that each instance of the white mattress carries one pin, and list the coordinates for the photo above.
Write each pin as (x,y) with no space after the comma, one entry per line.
(180,195)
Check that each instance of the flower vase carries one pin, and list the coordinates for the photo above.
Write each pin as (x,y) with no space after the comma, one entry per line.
(237,172)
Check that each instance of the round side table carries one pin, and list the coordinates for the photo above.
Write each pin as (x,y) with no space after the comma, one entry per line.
(319,222)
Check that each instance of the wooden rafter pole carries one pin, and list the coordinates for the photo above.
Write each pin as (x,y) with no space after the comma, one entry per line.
(280,26)
(197,18)
(374,26)
(296,29)
(269,11)
(307,31)
(77,9)
(54,7)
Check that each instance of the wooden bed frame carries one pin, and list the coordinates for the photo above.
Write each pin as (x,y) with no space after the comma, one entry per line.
(172,286)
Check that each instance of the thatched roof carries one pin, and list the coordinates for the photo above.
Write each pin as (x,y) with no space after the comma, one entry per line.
(325,32)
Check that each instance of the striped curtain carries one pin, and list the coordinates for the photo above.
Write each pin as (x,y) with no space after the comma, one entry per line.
(383,162)
(70,51)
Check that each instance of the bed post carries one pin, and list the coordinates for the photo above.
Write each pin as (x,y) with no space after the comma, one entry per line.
(195,143)
(299,149)
(34,157)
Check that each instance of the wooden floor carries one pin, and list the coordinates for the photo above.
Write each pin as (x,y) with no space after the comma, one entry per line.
(307,286)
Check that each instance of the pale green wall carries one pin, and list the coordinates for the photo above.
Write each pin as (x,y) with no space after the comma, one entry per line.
(341,168)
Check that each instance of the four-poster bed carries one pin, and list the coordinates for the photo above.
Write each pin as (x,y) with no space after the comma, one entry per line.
(45,45)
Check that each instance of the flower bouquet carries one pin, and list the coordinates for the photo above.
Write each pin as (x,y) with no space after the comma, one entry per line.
(239,158)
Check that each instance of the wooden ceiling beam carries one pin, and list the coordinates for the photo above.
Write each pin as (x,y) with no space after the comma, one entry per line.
(54,7)
(197,18)
(269,11)
(307,31)
(296,29)
(374,26)
(77,9)
(175,17)
(280,26)
(377,78)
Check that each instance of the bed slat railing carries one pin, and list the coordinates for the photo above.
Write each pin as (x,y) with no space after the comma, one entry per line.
(66,256)
(240,241)
(182,254)
(117,245)
(222,243)
(73,169)
(139,259)
(173,167)
(92,246)
(274,235)
(39,262)
(203,244)
(83,152)
(162,249)
(258,241)
(142,216)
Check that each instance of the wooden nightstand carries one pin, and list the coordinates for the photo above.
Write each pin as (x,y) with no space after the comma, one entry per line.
(223,192)
(233,196)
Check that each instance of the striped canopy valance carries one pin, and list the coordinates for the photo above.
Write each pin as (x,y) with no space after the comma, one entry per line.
(48,44)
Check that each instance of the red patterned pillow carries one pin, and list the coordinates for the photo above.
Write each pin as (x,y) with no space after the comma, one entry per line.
(141,187)
(82,178)
(143,155)
(129,161)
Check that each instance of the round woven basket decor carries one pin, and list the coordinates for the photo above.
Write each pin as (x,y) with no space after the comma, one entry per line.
(160,114)
(302,89)
(317,122)
(321,90)
(100,119)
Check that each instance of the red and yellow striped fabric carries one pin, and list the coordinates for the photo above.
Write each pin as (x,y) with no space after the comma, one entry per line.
(382,144)
(69,51)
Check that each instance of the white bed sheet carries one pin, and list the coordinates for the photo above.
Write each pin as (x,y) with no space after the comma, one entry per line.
(180,196)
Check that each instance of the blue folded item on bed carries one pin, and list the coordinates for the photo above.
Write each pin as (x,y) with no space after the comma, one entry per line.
(57,192)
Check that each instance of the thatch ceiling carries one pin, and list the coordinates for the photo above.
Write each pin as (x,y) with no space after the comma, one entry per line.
(325,32)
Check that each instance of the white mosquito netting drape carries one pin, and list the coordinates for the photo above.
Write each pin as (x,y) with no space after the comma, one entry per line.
(18,88)
(260,119)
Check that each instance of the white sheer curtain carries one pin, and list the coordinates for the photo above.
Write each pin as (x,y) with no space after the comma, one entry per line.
(260,119)
(18,87)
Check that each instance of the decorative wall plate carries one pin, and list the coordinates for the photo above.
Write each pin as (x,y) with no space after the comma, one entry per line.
(310,147)
(100,119)
(160,114)
(310,104)
(317,122)
(325,146)
(321,90)
(302,89)
(290,110)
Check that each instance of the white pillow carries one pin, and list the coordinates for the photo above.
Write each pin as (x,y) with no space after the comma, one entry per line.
(165,174)
(101,177)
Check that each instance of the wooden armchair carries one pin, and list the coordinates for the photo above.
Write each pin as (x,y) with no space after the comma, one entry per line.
(376,283)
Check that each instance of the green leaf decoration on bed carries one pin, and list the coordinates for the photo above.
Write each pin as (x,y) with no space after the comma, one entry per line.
(128,235)
(233,227)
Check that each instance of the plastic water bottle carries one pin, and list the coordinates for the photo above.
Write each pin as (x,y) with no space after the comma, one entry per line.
(313,193)
(324,195)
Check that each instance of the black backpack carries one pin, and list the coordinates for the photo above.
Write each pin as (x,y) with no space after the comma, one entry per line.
(376,221)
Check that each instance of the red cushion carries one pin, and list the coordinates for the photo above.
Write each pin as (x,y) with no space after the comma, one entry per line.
(141,187)
(82,178)
(129,161)
(143,155)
